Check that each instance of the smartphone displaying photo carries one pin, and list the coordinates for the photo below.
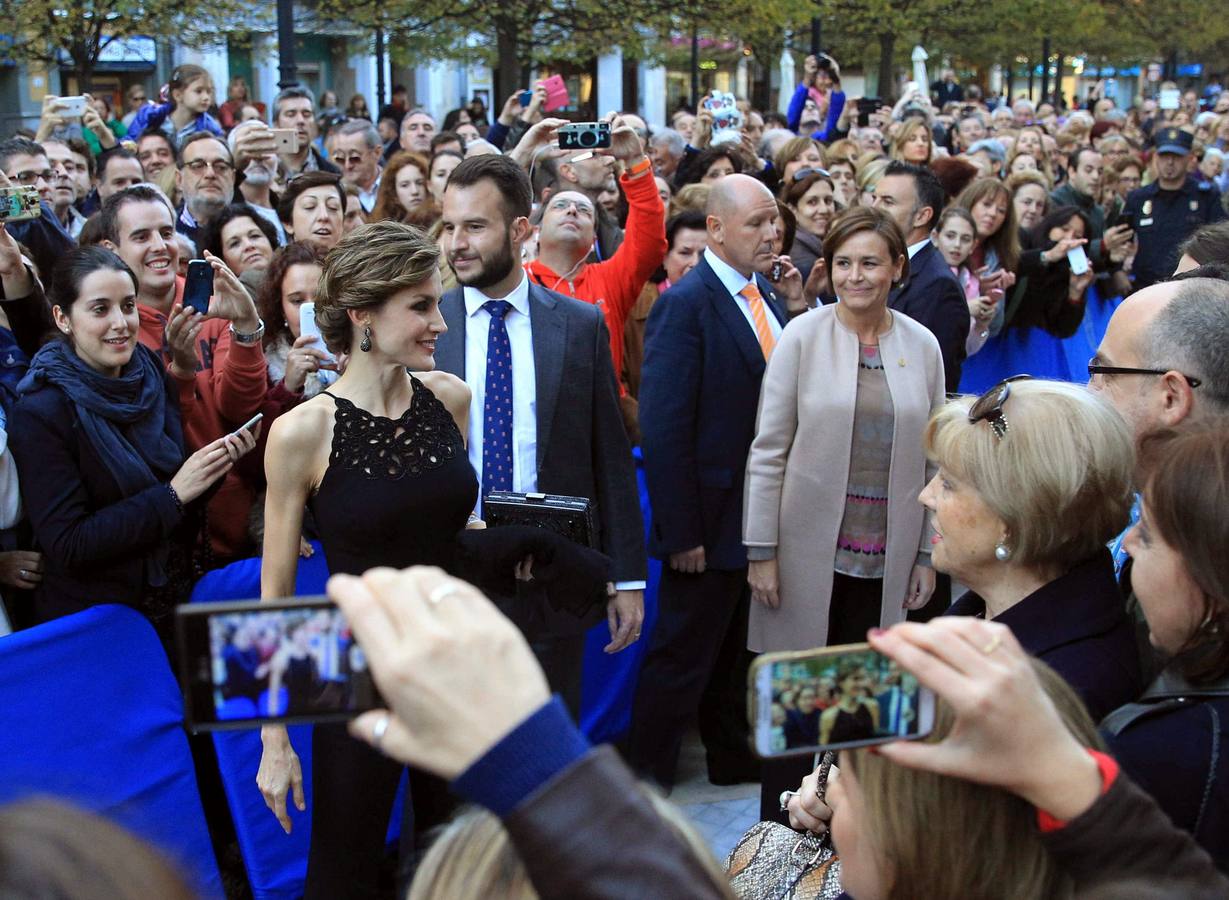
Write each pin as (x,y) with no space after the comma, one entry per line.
(832,698)
(198,286)
(250,663)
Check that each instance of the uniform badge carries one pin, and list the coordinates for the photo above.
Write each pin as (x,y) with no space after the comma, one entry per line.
(1147,208)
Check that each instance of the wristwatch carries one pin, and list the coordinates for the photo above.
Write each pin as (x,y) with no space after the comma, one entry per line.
(251,337)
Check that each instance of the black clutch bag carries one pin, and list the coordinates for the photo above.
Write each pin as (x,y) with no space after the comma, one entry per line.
(571,517)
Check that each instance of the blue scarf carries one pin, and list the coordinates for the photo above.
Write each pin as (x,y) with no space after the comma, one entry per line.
(123,418)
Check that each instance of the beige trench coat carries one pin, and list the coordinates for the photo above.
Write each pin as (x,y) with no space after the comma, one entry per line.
(798,468)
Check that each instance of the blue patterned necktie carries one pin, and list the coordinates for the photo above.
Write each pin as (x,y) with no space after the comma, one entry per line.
(497,405)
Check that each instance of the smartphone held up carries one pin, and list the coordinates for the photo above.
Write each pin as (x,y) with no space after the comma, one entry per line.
(249,663)
(833,698)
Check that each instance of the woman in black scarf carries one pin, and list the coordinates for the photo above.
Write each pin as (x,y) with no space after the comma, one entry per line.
(99,448)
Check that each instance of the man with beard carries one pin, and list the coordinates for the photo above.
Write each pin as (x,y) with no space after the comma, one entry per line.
(256,165)
(206,178)
(545,410)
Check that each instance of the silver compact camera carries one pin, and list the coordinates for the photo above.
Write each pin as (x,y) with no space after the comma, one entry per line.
(584,136)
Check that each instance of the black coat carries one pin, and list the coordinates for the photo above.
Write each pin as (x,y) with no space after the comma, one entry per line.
(932,296)
(1078,625)
(1172,744)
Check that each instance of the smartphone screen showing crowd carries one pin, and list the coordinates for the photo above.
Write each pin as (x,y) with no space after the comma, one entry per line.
(249,663)
(836,697)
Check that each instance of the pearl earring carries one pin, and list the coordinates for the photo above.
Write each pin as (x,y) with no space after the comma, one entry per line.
(365,344)
(1002,552)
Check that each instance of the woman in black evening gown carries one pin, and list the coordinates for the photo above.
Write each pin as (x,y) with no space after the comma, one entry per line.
(381,462)
(855,715)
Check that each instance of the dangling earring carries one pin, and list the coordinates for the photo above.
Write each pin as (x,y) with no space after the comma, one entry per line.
(365,344)
(1002,552)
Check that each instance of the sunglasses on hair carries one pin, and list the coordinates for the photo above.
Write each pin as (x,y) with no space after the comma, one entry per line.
(807,173)
(989,406)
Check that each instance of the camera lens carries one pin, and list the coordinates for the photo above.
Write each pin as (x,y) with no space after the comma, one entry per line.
(588,138)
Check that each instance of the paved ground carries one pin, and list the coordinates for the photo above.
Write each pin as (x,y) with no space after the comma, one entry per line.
(721,814)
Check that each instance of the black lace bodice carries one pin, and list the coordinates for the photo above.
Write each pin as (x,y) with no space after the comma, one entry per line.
(396,491)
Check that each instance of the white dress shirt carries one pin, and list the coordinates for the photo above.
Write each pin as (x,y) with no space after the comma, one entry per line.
(367,199)
(524,388)
(914,248)
(734,282)
(524,382)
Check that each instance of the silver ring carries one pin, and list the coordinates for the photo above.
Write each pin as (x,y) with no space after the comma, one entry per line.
(440,591)
(24,573)
(381,726)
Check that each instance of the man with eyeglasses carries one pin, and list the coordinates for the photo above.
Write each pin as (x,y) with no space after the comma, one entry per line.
(355,147)
(569,221)
(206,178)
(25,164)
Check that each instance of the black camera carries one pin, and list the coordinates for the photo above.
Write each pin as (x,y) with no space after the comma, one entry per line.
(584,136)
(866,107)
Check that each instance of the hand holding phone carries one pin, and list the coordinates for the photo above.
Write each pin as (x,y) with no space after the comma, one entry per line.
(830,698)
(556,94)
(19,204)
(198,286)
(1078,260)
(70,107)
(309,329)
(287,140)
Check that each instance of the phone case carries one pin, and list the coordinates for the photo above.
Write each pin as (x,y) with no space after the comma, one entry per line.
(556,94)
(198,286)
(571,517)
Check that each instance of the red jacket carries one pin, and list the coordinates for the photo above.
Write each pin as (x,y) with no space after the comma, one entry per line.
(229,388)
(614,284)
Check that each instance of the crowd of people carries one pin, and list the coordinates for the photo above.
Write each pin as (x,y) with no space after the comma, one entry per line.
(949,373)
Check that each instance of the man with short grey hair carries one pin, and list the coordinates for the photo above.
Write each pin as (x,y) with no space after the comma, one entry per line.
(295,108)
(666,149)
(355,147)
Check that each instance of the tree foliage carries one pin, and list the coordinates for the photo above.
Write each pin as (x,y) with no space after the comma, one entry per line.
(46,31)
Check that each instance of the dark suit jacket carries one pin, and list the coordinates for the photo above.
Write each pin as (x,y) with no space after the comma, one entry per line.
(582,446)
(932,296)
(1077,625)
(699,392)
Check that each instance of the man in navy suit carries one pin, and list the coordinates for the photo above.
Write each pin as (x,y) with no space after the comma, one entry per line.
(545,410)
(930,294)
(706,346)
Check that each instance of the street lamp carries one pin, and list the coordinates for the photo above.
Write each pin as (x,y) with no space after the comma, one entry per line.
(287,70)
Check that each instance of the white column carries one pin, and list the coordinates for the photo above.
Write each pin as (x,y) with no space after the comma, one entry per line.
(265,60)
(610,82)
(653,95)
(215,60)
(788,82)
(741,79)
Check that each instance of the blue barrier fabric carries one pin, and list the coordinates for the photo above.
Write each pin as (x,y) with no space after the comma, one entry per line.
(1038,353)
(90,713)
(276,862)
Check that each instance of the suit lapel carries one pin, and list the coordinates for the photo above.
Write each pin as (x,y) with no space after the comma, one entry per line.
(732,318)
(549,325)
(450,346)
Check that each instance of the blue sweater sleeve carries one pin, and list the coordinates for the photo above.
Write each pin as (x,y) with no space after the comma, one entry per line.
(836,104)
(796,103)
(528,757)
(497,134)
(148,118)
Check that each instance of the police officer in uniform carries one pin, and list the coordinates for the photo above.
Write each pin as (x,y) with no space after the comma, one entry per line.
(1164,213)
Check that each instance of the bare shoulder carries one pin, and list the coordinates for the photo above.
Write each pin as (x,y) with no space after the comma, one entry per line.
(299,432)
(448,388)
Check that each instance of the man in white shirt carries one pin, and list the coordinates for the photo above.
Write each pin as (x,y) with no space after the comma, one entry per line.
(544,415)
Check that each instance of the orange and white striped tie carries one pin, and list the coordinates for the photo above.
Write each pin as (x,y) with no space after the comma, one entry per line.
(759,315)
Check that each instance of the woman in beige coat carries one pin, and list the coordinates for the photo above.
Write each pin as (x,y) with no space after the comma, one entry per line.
(834,531)
(836,538)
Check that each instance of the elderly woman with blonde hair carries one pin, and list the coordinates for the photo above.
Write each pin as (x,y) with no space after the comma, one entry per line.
(1034,479)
